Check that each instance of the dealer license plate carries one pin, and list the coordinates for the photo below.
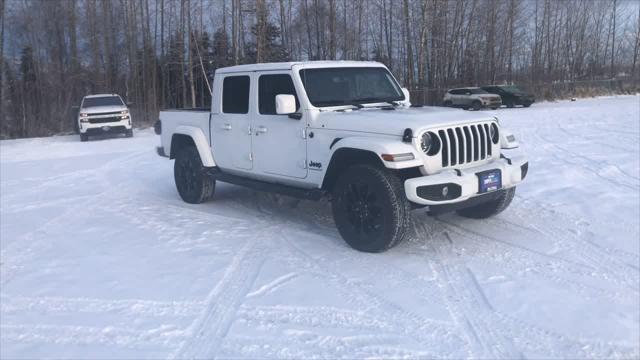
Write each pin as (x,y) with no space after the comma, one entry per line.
(490,180)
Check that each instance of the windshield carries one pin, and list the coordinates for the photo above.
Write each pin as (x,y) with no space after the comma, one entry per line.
(511,89)
(348,85)
(477,91)
(102,101)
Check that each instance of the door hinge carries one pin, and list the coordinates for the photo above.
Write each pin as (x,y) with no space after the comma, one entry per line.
(304,133)
(250,156)
(249,130)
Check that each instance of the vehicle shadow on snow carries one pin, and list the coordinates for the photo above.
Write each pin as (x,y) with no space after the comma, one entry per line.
(316,216)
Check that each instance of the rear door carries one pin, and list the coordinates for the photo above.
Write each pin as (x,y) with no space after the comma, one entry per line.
(231,132)
(279,142)
(456,97)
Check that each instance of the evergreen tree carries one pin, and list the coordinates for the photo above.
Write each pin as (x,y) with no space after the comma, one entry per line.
(273,50)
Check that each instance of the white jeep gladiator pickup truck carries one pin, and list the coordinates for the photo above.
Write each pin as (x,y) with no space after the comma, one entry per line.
(345,131)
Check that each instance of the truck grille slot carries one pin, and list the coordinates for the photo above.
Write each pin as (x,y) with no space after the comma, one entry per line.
(104,120)
(465,144)
(445,148)
(453,148)
(486,130)
(483,143)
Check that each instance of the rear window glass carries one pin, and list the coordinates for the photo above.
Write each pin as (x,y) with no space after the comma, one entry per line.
(102,101)
(235,94)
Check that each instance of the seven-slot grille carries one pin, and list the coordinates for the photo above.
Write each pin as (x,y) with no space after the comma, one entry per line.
(465,144)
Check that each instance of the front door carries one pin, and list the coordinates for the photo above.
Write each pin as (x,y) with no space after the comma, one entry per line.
(279,142)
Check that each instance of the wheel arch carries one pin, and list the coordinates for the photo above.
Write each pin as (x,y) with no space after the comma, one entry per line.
(345,157)
(190,136)
(367,150)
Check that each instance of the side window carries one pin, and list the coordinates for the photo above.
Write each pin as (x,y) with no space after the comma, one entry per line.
(235,95)
(271,85)
(455,92)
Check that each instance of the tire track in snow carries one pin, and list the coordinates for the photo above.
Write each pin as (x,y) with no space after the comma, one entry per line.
(554,268)
(587,166)
(209,330)
(165,336)
(300,344)
(611,267)
(591,140)
(130,307)
(423,331)
(314,317)
(554,345)
(467,303)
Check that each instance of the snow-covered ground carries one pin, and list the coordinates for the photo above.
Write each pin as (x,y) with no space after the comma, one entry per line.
(101,259)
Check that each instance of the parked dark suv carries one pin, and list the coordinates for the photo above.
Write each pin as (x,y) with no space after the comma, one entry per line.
(511,95)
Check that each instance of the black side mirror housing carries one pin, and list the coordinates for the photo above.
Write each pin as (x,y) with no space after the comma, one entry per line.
(295,116)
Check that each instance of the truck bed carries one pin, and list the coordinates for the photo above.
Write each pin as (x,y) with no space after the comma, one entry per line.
(172,119)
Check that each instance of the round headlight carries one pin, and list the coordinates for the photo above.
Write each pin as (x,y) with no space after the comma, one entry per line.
(429,143)
(493,132)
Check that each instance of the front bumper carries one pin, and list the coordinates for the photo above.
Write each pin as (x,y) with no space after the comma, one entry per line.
(97,128)
(463,184)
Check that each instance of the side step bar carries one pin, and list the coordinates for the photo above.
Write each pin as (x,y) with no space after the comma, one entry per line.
(307,194)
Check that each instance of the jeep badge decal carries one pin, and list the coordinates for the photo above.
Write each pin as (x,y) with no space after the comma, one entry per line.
(316,165)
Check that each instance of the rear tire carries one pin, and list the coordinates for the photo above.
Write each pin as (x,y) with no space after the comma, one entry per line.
(476,105)
(510,104)
(491,208)
(192,182)
(370,208)
(527,105)
(84,137)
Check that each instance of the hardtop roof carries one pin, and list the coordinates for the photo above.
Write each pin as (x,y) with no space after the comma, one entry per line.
(100,95)
(290,65)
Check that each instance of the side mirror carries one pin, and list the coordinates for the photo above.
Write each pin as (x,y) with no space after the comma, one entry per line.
(285,104)
(407,97)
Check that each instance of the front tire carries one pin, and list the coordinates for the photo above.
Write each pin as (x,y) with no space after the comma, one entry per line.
(193,183)
(448,103)
(491,208)
(84,137)
(476,105)
(129,133)
(370,208)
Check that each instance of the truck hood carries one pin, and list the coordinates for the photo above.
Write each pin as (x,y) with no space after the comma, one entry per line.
(103,109)
(394,122)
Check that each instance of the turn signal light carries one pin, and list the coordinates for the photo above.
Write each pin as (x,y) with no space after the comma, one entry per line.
(397,157)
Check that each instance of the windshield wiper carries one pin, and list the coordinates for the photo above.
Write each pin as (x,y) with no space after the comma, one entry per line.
(376,100)
(356,105)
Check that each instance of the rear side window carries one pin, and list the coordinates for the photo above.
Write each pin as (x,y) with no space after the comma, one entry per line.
(271,85)
(235,95)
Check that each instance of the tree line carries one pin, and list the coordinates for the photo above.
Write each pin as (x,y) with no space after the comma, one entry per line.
(162,53)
